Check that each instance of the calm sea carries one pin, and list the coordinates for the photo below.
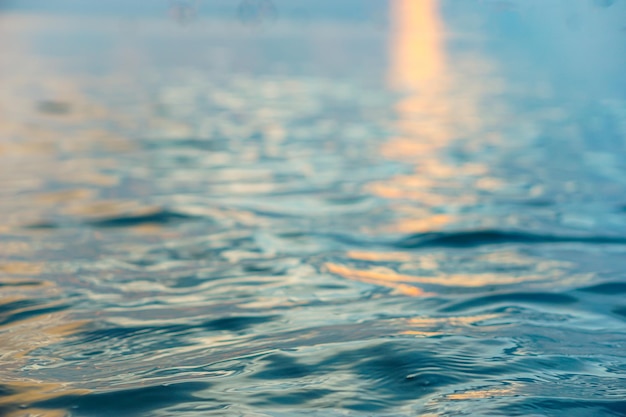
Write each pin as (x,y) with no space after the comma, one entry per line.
(313,208)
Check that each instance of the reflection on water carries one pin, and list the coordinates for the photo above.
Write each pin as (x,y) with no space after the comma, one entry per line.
(444,110)
(312,217)
(417,46)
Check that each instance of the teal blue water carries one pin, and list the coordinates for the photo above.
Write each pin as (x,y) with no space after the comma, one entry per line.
(261,209)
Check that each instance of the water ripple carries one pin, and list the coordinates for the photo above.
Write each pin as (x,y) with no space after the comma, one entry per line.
(498,237)
(317,218)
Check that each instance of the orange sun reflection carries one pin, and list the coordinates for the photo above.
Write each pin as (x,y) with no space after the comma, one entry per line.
(440,107)
(417,57)
(418,67)
(449,101)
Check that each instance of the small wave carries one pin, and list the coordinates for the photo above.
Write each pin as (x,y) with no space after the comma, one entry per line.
(160,217)
(565,406)
(232,324)
(20,310)
(237,323)
(516,297)
(156,217)
(621,311)
(134,401)
(43,225)
(193,143)
(23,283)
(475,238)
(606,288)
(299,397)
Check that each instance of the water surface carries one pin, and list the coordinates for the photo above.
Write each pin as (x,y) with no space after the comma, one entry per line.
(395,209)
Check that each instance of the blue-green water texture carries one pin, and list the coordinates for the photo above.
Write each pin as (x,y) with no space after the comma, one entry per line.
(277,208)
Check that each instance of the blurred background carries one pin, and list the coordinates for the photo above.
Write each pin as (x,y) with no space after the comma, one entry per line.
(284,208)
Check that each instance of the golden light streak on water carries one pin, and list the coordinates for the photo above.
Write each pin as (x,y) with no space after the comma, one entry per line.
(416,46)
